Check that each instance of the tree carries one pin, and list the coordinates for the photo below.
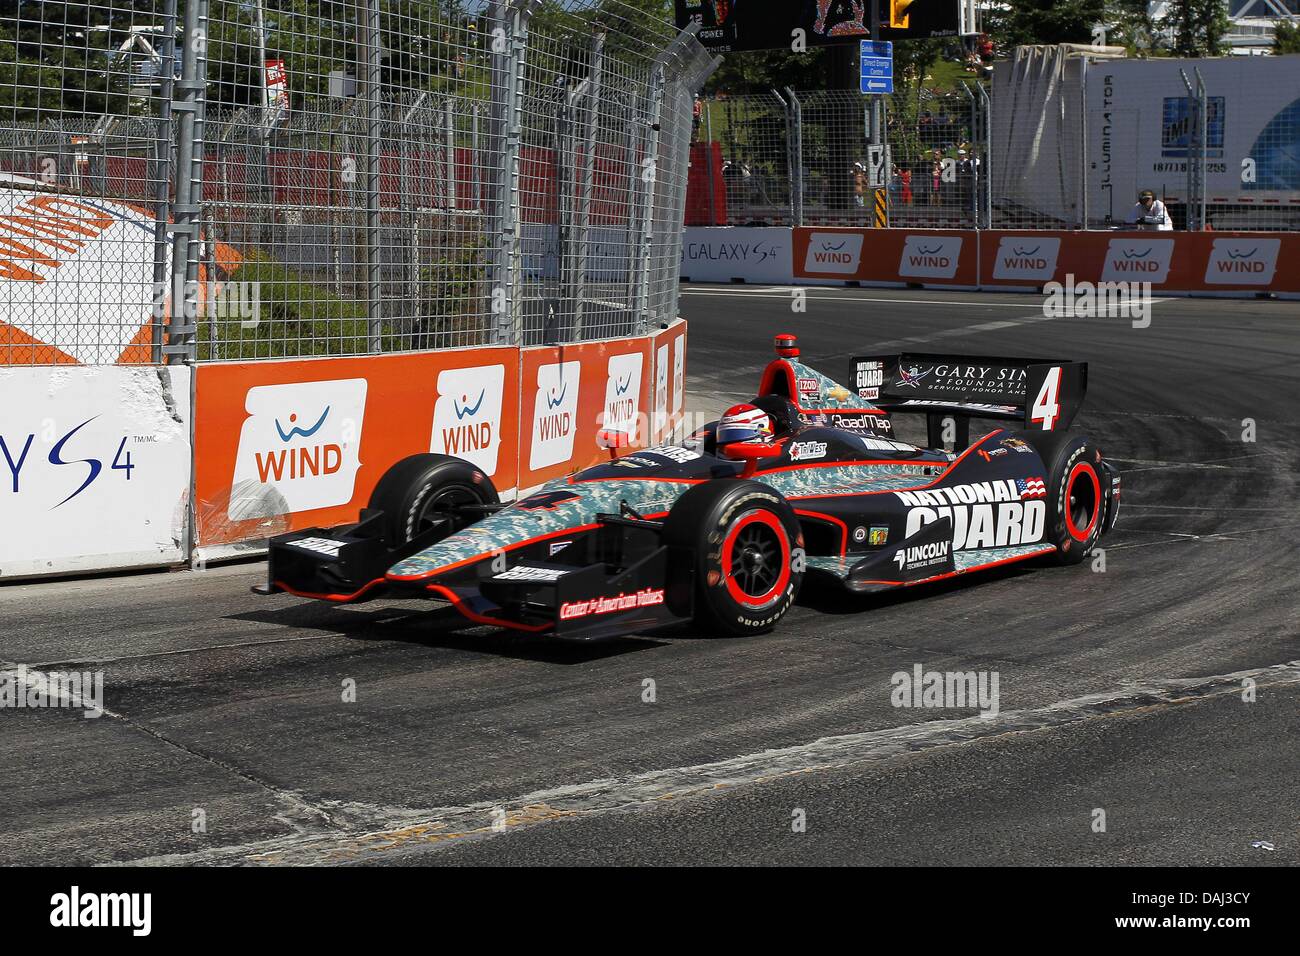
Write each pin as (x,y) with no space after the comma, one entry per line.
(61,58)
(1026,22)
(1200,27)
(1286,37)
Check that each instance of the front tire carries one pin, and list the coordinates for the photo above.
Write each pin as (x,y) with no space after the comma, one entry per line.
(738,552)
(422,492)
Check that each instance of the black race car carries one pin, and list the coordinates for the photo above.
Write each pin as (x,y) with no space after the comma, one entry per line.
(726,534)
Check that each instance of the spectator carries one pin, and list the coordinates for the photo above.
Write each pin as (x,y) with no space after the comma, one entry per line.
(1150,214)
(936,178)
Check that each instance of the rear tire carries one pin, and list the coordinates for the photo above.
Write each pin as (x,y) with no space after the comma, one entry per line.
(1075,498)
(418,493)
(737,552)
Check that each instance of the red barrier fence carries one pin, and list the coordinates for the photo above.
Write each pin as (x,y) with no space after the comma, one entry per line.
(284,445)
(1195,262)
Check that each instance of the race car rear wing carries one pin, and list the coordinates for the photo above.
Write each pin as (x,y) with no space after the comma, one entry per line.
(1045,394)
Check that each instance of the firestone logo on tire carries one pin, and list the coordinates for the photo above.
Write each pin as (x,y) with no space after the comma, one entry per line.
(304,439)
(467,415)
(555,414)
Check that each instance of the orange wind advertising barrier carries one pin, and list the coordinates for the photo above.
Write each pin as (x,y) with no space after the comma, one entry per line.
(283,445)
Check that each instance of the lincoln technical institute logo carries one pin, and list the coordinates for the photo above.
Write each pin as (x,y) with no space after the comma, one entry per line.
(555,414)
(303,440)
(623,393)
(467,416)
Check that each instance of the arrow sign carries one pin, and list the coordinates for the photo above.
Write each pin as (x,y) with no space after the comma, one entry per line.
(877,66)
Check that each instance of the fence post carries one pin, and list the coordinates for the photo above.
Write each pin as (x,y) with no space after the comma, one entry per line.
(162,177)
(708,138)
(649,178)
(181,328)
(794,120)
(975,169)
(370,29)
(988,155)
(509,47)
(1202,143)
(591,137)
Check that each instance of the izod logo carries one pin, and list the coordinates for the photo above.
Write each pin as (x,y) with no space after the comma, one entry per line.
(304,440)
(1138,258)
(467,415)
(930,257)
(1242,261)
(555,414)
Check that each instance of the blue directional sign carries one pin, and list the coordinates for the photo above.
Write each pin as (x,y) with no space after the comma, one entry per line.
(877,59)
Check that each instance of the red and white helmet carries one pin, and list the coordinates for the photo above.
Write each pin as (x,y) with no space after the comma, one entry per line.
(744,423)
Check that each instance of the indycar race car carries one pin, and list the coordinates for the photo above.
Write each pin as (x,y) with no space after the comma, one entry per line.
(722,528)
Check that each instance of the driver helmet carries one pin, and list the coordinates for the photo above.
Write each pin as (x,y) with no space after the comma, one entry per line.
(744,423)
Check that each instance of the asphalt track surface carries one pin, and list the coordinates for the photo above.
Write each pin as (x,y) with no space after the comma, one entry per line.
(1120,690)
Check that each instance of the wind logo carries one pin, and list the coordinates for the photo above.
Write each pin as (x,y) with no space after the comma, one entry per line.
(1021,257)
(623,393)
(298,430)
(930,257)
(1143,260)
(834,252)
(464,409)
(467,415)
(304,439)
(1242,262)
(302,460)
(555,414)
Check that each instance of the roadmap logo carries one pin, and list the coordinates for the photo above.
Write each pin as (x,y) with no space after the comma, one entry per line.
(467,415)
(304,439)
(1242,261)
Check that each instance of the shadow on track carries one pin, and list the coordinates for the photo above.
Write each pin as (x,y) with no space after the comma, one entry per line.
(441,627)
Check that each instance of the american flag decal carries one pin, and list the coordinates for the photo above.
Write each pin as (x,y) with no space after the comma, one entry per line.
(1031,488)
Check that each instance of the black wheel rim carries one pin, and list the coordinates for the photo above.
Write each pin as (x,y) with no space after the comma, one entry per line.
(756,560)
(442,509)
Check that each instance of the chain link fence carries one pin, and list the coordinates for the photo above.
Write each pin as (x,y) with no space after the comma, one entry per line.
(235,179)
(1054,143)
(801,157)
